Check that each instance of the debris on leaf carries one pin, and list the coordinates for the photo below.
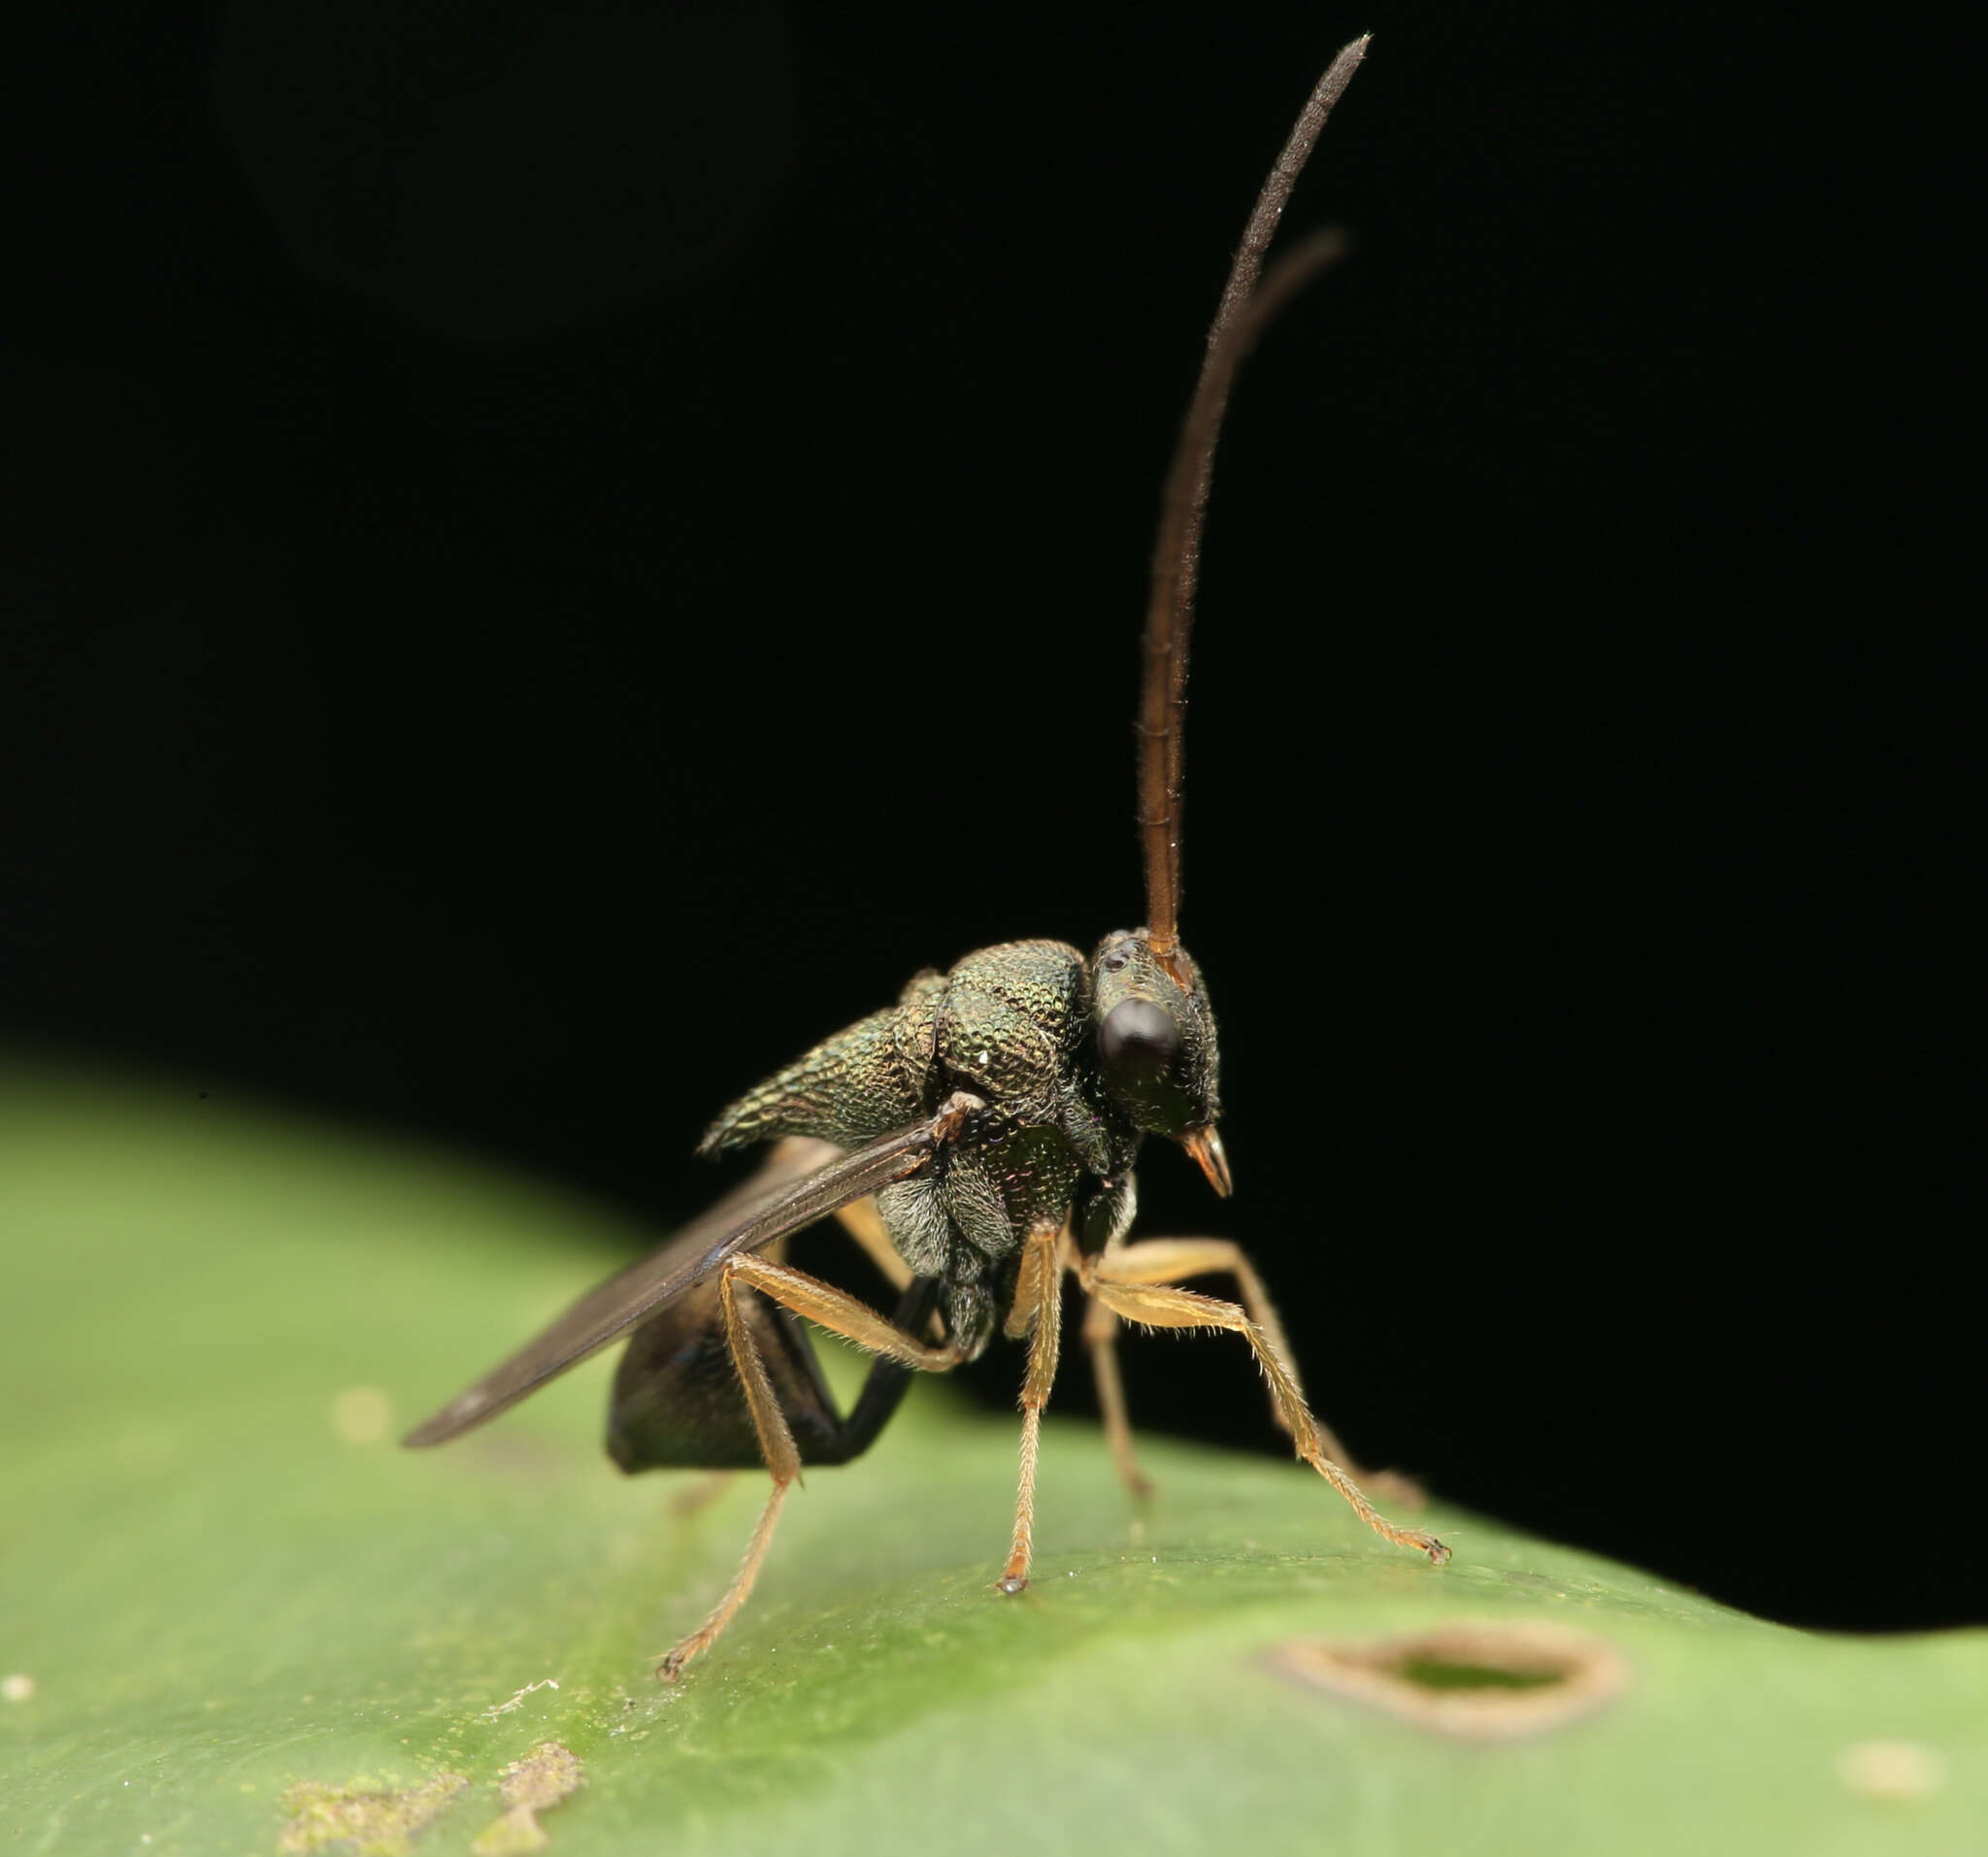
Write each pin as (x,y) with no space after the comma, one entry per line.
(516,1701)
(376,1822)
(538,1781)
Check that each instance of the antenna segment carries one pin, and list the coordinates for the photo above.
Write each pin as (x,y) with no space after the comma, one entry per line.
(1247,307)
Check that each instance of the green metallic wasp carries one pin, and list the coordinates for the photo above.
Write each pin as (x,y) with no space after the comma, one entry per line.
(977,1138)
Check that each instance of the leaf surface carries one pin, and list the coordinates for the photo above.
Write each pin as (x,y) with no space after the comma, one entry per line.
(247,1623)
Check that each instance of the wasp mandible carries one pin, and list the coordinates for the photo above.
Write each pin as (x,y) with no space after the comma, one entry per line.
(976,1139)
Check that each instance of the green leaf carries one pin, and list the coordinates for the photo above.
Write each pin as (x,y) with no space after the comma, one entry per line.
(236,1619)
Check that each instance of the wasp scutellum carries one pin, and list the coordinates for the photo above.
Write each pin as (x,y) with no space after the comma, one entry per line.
(976,1139)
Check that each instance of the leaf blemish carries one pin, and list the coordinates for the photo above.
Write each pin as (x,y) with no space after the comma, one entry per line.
(1890,1770)
(544,1776)
(1488,1681)
(376,1821)
(362,1416)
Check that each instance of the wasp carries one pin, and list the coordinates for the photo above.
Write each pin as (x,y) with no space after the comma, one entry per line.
(978,1139)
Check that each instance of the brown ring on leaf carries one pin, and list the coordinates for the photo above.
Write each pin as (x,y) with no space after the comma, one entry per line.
(1479,1680)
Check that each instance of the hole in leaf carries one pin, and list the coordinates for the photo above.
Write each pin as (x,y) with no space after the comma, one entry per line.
(1436,1672)
(1480,1680)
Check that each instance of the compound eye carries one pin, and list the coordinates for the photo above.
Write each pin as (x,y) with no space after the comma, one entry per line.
(1137,1040)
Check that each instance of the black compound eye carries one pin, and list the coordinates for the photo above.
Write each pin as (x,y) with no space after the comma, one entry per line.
(1137,1040)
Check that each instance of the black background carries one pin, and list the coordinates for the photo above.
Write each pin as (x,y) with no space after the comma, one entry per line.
(566,549)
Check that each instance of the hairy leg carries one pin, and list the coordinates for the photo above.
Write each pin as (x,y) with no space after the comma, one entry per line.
(1100,1338)
(1158,1305)
(833,1310)
(1171,1260)
(1038,1313)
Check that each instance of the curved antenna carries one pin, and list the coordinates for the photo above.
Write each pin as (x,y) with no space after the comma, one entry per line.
(1239,318)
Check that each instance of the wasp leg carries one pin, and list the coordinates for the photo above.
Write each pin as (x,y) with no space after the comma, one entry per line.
(1101,1336)
(1168,1260)
(1156,1306)
(1038,1313)
(841,1314)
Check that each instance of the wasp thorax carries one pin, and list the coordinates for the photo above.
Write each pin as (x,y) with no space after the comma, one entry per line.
(1155,1041)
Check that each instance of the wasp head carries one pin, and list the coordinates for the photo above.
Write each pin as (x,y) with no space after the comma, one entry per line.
(1155,1041)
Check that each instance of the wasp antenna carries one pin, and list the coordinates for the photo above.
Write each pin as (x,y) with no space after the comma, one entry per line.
(1245,308)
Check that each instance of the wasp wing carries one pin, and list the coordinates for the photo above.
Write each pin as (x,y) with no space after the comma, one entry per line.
(754,1216)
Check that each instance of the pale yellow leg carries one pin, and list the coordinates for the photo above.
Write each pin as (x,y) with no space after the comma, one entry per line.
(842,1315)
(1038,1311)
(1159,1307)
(1173,1260)
(1170,1260)
(1101,1336)
(782,1460)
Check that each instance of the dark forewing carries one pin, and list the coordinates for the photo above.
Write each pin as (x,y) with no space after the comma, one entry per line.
(756,1214)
